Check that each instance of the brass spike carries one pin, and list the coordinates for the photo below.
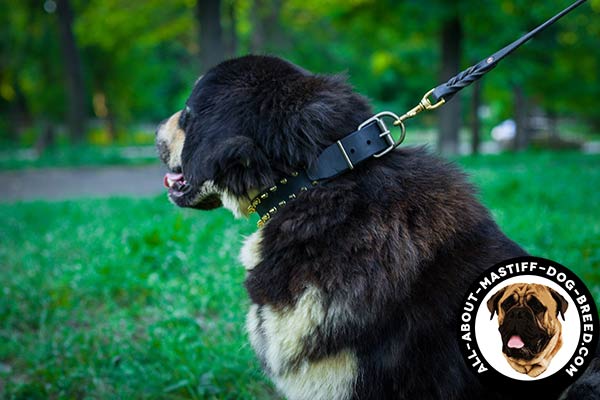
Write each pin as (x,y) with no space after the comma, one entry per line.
(315,183)
(303,189)
(282,203)
(264,195)
(292,196)
(294,174)
(274,188)
(283,181)
(273,210)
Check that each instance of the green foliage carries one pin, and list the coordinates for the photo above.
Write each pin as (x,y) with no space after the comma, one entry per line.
(125,298)
(141,58)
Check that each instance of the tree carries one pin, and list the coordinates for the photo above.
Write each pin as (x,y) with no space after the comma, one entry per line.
(449,115)
(212,46)
(475,122)
(76,93)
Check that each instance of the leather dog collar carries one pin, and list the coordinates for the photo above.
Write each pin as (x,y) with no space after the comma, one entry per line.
(371,139)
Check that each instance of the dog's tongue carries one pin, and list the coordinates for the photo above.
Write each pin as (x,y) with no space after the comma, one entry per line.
(170,178)
(515,342)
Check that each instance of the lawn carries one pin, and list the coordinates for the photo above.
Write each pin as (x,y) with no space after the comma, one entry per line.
(17,158)
(133,298)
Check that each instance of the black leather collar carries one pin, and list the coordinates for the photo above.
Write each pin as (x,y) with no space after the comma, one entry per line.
(372,139)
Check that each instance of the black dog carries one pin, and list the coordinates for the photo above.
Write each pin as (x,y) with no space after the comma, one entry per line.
(356,284)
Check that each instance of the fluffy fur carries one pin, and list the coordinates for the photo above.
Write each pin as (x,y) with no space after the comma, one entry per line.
(355,286)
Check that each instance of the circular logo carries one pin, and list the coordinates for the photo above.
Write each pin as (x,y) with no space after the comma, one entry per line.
(528,324)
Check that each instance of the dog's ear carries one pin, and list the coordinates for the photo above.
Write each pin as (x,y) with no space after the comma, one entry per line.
(492,303)
(308,114)
(241,166)
(561,303)
(235,164)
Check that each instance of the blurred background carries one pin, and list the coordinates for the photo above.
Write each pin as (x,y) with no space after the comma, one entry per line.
(103,73)
(108,291)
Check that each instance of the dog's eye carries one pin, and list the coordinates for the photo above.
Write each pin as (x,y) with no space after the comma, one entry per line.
(508,303)
(535,305)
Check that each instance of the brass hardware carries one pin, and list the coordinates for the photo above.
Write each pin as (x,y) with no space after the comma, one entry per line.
(283,181)
(263,220)
(264,196)
(424,104)
(273,210)
(303,189)
(294,174)
(253,205)
(315,183)
(282,203)
(292,196)
(274,188)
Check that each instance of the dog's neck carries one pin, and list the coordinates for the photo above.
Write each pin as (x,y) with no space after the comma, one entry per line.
(372,139)
(272,199)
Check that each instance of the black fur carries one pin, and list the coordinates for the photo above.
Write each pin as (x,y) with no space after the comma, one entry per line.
(394,243)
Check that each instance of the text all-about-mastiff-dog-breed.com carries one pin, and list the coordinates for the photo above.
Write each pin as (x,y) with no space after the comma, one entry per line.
(355,285)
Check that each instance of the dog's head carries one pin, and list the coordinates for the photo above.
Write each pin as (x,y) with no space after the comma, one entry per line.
(248,122)
(527,318)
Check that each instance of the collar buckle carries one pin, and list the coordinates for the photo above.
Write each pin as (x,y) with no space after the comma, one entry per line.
(385,132)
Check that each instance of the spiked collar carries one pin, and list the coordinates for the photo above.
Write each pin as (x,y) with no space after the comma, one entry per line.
(371,139)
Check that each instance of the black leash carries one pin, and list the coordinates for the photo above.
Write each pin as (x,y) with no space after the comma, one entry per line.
(444,92)
(373,138)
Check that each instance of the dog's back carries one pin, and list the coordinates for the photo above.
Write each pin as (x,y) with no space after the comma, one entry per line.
(375,264)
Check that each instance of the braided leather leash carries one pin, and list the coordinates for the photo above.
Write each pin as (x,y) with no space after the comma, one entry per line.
(439,95)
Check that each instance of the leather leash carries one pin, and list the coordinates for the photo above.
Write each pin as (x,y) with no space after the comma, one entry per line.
(444,92)
(373,138)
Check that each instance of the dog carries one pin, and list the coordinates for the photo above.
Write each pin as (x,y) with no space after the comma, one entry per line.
(356,284)
(529,326)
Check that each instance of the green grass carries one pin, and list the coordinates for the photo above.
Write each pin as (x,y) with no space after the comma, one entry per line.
(125,298)
(74,156)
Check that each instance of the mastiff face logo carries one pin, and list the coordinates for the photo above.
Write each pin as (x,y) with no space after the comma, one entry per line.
(529,325)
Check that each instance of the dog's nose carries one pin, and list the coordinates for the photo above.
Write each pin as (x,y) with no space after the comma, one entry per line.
(521,314)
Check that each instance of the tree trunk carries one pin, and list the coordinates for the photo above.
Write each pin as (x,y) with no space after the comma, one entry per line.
(257,40)
(212,47)
(73,71)
(522,131)
(475,122)
(449,115)
(232,40)
(46,139)
(267,35)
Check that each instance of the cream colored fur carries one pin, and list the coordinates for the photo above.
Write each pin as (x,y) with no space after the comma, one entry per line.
(279,342)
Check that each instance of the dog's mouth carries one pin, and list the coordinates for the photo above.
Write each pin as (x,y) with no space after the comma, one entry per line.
(176,184)
(515,342)
(182,194)
(524,346)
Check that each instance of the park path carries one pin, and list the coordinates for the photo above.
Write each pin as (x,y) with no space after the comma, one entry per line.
(68,183)
(132,181)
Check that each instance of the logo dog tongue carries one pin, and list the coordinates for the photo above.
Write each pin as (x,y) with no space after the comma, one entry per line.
(515,342)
